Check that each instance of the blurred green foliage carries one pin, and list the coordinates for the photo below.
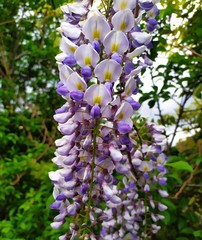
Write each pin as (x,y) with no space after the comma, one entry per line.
(180,78)
(28,45)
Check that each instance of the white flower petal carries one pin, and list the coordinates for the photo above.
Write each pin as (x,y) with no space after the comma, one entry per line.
(64,72)
(108,71)
(130,86)
(97,94)
(75,82)
(95,28)
(62,117)
(162,207)
(115,154)
(142,37)
(76,8)
(107,190)
(145,166)
(123,4)
(54,176)
(70,30)
(60,57)
(116,41)
(124,112)
(123,20)
(56,225)
(85,55)
(67,46)
(136,52)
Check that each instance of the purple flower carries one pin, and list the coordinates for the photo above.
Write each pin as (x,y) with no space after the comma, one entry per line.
(77,95)
(124,127)
(70,61)
(135,105)
(86,73)
(96,46)
(107,166)
(61,89)
(146,5)
(152,25)
(118,58)
(128,67)
(95,111)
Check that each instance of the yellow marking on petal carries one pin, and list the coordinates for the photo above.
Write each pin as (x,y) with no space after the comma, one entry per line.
(72,49)
(103,168)
(96,34)
(97,100)
(79,86)
(123,5)
(123,26)
(107,76)
(115,47)
(145,169)
(88,61)
(121,115)
(128,92)
(82,158)
(159,161)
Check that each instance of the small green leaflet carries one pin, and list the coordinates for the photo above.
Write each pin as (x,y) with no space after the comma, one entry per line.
(181,165)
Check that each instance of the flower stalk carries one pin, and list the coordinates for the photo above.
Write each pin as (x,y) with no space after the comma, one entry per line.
(95,134)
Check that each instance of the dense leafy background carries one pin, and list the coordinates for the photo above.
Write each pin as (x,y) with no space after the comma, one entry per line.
(28,44)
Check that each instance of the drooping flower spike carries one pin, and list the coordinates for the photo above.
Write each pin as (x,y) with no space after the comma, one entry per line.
(107,170)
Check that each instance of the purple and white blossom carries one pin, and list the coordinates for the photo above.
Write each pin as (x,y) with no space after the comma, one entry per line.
(107,172)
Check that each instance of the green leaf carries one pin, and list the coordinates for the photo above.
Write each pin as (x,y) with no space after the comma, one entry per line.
(197,233)
(175,176)
(174,159)
(145,97)
(181,166)
(186,4)
(187,230)
(181,224)
(169,203)
(151,103)
(167,218)
(198,91)
(199,160)
(192,217)
(198,32)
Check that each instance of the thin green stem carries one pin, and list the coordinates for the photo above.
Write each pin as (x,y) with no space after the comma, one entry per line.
(136,11)
(130,161)
(106,10)
(145,226)
(138,135)
(109,5)
(95,133)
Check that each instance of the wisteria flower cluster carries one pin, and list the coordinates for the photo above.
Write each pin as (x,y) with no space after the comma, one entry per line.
(107,170)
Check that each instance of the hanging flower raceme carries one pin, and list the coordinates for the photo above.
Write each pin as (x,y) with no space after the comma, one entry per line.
(107,172)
